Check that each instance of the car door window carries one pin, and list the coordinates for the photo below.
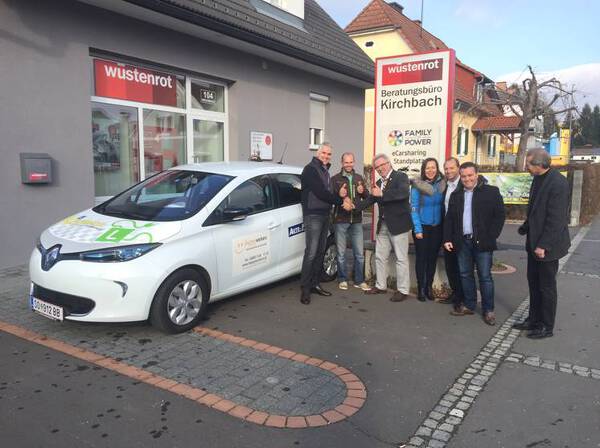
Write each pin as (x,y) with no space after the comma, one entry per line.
(255,194)
(289,189)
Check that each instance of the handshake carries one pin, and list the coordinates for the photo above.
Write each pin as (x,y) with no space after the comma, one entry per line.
(347,204)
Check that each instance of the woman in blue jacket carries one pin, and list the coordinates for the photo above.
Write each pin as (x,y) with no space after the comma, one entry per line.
(427,212)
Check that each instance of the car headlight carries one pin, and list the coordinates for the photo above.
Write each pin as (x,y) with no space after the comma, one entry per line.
(116,254)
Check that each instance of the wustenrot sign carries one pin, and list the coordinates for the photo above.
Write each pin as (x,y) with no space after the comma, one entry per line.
(413,107)
(128,82)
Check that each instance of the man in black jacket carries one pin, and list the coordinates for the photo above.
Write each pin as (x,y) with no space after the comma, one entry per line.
(317,199)
(473,223)
(548,240)
(392,195)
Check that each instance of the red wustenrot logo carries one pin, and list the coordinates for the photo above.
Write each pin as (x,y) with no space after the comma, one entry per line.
(413,71)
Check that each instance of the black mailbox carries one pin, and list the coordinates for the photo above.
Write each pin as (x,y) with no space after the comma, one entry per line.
(36,168)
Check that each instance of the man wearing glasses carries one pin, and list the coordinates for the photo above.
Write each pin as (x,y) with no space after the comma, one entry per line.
(392,194)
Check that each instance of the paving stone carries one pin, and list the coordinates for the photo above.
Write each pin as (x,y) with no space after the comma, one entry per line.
(416,441)
(457,413)
(453,420)
(430,423)
(441,435)
(463,405)
(436,444)
(446,427)
(436,415)
(423,431)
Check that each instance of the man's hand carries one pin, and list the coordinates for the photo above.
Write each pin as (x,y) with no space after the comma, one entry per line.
(347,205)
(419,236)
(361,188)
(449,246)
(539,252)
(377,192)
(344,191)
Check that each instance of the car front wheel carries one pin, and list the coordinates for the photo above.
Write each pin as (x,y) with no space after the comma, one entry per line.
(329,261)
(180,302)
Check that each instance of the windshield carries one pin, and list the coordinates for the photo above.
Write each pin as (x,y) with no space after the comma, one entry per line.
(168,196)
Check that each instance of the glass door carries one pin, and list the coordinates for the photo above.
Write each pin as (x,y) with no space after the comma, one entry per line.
(208,141)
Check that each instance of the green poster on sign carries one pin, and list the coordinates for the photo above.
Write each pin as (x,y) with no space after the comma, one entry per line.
(514,187)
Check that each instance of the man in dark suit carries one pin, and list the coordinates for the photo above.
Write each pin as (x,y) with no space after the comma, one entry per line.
(451,171)
(548,240)
(473,224)
(392,194)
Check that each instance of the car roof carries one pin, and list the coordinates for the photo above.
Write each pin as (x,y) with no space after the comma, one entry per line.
(239,168)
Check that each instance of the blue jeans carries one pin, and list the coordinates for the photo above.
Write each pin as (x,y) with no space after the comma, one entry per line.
(356,234)
(468,257)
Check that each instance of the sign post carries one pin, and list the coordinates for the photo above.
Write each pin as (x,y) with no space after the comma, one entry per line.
(413,107)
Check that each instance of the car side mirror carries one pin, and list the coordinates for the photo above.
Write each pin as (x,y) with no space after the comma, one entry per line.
(235,214)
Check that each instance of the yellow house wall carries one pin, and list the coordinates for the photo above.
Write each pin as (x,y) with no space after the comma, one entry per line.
(385,43)
(463,120)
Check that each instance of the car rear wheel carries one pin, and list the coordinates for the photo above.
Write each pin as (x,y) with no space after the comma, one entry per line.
(329,261)
(180,302)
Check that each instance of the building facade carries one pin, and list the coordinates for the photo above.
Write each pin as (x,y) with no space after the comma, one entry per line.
(115,91)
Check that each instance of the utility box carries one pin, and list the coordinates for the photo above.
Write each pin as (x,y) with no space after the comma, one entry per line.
(36,168)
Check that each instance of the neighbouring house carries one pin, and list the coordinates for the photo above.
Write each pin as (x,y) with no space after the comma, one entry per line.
(479,129)
(115,91)
(587,154)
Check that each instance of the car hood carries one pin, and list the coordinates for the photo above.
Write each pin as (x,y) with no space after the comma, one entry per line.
(89,230)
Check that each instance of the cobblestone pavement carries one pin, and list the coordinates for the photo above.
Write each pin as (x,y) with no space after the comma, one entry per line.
(444,421)
(245,376)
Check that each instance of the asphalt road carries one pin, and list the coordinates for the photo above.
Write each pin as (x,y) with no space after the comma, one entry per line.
(407,354)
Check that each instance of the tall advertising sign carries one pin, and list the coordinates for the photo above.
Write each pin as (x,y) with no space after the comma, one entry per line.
(413,107)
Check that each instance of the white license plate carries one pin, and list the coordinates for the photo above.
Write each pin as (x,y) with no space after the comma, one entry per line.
(46,309)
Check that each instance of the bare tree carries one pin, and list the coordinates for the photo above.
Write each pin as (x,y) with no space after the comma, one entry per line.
(530,100)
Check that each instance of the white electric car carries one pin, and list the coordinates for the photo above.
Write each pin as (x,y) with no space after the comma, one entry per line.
(164,248)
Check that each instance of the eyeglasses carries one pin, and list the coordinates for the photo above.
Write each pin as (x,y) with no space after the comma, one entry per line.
(381,165)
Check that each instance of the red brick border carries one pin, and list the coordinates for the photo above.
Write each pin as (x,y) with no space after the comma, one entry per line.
(356,392)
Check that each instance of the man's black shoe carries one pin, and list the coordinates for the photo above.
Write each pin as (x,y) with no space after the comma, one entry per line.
(421,295)
(305,300)
(318,290)
(540,333)
(525,325)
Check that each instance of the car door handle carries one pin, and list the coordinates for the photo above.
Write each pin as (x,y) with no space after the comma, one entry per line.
(273,226)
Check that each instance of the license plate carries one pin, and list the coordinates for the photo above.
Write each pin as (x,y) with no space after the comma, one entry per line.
(46,309)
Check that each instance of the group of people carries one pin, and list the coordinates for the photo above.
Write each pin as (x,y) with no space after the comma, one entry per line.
(456,210)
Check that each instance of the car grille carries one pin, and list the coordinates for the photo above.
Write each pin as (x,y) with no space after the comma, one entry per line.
(72,304)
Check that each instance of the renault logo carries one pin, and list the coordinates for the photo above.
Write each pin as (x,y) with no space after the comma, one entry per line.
(50,257)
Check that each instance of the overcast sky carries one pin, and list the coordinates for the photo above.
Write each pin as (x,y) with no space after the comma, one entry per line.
(498,38)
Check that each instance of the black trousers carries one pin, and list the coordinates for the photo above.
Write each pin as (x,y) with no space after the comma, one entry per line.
(316,228)
(427,250)
(453,274)
(541,276)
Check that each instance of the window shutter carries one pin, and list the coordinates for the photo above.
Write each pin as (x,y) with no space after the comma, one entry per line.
(466,137)
(458,142)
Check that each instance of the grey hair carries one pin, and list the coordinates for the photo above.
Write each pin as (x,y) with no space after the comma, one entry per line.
(380,156)
(326,144)
(348,154)
(539,157)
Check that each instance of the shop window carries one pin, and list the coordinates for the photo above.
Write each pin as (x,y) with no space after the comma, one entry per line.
(318,104)
(208,141)
(207,96)
(462,147)
(115,148)
(164,140)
